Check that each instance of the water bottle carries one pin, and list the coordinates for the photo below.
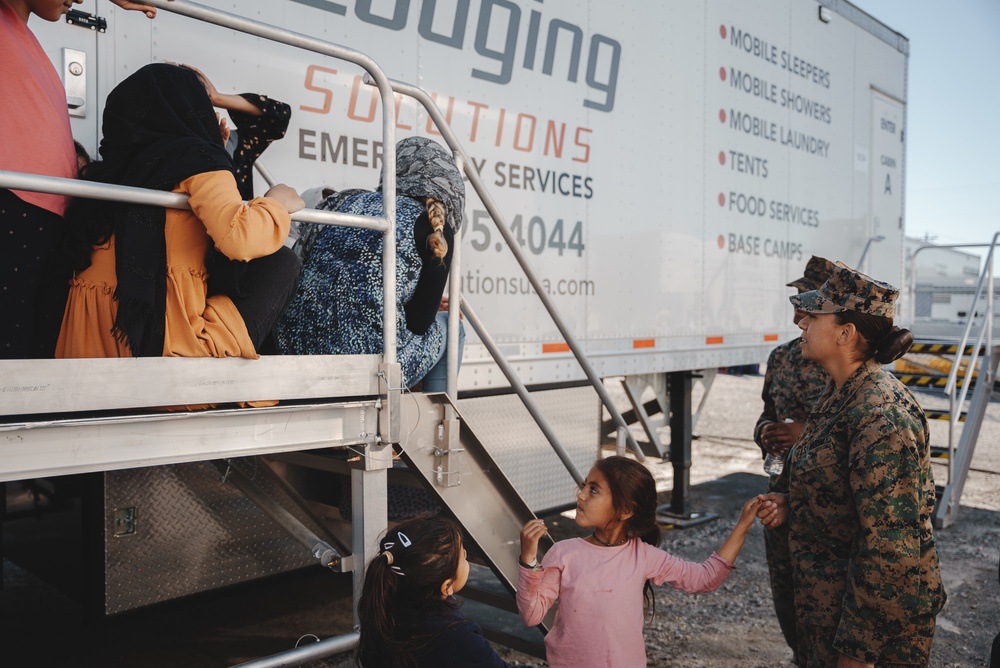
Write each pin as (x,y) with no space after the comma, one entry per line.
(773,464)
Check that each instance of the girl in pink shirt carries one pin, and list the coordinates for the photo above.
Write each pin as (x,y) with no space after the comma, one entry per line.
(602,581)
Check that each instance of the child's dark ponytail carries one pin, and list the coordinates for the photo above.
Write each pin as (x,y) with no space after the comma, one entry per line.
(403,587)
(436,241)
(375,605)
(633,489)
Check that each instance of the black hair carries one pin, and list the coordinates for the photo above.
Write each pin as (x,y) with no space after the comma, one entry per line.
(403,587)
(633,489)
(82,157)
(881,339)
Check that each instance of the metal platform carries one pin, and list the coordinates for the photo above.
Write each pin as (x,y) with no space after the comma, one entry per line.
(62,417)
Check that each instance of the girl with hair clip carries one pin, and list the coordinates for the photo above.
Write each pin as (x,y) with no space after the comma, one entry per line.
(141,287)
(857,491)
(337,308)
(603,581)
(408,611)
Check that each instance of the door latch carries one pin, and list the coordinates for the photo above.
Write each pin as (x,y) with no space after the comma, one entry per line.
(84,20)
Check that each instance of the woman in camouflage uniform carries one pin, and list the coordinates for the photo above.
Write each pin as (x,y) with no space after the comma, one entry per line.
(859,491)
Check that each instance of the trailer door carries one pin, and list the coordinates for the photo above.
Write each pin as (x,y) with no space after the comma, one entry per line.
(72,48)
(885,213)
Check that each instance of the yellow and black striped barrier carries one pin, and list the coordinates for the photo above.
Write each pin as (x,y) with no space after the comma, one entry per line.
(921,380)
(942,415)
(939,348)
(933,381)
(939,452)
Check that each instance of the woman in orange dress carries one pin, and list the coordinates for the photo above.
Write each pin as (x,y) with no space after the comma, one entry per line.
(141,285)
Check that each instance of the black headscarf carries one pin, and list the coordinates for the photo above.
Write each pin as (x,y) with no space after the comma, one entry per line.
(159,129)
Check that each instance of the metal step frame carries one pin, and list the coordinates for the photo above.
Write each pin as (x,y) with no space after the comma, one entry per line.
(466,480)
(985,353)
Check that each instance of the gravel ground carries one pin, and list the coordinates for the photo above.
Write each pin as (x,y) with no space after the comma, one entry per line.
(734,626)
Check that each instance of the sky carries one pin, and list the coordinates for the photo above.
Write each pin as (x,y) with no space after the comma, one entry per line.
(953,116)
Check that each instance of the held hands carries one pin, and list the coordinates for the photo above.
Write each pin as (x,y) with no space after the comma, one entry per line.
(776,437)
(286,196)
(531,533)
(748,514)
(847,662)
(773,509)
(730,548)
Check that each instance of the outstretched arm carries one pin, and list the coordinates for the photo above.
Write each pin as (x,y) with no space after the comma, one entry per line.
(734,543)
(259,120)
(227,101)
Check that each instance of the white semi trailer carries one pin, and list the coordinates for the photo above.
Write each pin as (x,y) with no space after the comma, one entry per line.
(666,168)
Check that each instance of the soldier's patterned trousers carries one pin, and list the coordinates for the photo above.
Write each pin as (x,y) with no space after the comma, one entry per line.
(816,647)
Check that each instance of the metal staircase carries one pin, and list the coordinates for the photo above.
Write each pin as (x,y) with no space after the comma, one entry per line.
(954,369)
(462,475)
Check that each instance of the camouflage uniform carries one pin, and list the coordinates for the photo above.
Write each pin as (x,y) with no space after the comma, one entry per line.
(861,494)
(792,385)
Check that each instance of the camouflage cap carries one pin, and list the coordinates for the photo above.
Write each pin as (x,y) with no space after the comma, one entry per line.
(849,290)
(818,269)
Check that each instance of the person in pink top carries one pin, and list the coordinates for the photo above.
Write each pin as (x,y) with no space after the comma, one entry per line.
(35,138)
(604,582)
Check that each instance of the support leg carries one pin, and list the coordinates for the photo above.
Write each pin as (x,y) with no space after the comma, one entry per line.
(370,511)
(676,513)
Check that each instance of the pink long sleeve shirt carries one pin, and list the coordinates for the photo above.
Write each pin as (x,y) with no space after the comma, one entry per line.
(600,617)
(35,135)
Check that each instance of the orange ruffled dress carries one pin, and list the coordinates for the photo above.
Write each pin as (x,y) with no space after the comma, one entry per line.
(196,325)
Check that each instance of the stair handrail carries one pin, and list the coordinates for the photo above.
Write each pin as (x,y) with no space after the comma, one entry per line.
(983,339)
(518,386)
(986,276)
(421,96)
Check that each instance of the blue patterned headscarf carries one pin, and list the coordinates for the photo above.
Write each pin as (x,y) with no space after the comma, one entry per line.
(424,168)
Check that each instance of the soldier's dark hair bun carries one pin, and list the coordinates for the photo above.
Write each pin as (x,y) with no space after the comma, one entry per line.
(893,345)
